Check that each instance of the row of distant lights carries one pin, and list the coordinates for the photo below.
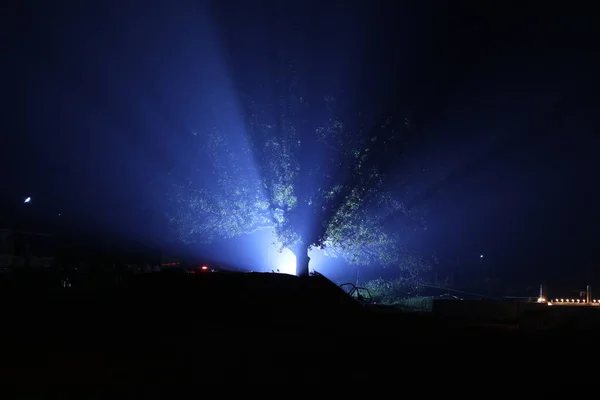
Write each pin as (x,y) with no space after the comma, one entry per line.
(542,300)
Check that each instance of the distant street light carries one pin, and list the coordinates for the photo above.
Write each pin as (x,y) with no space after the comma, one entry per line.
(27,200)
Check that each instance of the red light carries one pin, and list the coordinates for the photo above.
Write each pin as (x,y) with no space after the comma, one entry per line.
(170,264)
(204,268)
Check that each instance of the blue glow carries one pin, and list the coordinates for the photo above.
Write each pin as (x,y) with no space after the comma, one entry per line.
(260,251)
(286,262)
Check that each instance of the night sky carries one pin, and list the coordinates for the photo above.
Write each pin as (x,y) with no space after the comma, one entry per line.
(99,99)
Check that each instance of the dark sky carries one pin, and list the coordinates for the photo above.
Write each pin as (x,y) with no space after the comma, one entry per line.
(98,98)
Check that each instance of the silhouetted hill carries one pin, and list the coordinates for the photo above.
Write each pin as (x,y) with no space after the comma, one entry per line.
(242,329)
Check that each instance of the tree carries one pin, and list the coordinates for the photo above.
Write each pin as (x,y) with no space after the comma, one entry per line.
(309,171)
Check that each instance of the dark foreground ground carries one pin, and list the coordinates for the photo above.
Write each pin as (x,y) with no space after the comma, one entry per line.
(252,329)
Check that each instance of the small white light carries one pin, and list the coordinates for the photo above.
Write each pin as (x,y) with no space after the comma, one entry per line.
(27,200)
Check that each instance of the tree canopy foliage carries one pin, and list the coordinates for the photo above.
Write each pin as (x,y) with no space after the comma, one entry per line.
(306,168)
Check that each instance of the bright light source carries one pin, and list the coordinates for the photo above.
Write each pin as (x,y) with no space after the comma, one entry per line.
(286,262)
(27,200)
(204,268)
(481,256)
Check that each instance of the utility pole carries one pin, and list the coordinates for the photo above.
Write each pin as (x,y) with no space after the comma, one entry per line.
(588,294)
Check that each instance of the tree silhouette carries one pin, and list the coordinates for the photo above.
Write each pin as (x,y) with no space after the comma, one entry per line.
(303,169)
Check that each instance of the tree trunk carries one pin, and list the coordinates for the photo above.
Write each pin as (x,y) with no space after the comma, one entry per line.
(302,261)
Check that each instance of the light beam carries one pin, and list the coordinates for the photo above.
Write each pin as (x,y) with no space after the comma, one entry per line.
(286,262)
